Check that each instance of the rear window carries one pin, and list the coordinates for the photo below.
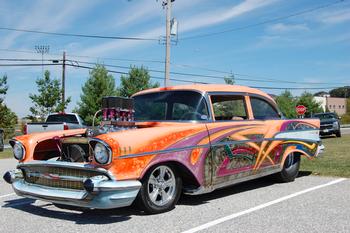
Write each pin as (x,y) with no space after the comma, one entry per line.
(68,118)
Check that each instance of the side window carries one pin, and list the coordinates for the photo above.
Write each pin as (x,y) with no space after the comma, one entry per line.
(229,107)
(262,109)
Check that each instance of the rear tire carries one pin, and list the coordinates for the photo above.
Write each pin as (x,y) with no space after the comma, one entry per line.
(160,190)
(290,168)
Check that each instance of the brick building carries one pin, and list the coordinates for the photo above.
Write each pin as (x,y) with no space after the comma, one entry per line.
(332,104)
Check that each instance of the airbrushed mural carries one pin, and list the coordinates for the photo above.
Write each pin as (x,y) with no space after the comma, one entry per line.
(226,151)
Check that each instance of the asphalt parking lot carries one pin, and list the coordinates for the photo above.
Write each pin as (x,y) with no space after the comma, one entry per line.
(309,204)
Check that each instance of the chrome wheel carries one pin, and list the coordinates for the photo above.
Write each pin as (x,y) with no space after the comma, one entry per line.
(161,186)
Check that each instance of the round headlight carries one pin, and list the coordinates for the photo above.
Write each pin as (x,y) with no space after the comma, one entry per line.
(102,153)
(18,151)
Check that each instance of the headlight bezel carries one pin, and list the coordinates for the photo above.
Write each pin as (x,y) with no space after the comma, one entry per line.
(97,142)
(335,125)
(15,143)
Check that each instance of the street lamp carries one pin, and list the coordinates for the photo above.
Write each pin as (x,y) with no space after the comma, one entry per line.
(42,49)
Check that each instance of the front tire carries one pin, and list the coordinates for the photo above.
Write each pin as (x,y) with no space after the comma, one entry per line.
(160,190)
(338,134)
(290,168)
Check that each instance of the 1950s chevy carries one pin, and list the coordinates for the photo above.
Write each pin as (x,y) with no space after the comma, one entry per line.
(192,139)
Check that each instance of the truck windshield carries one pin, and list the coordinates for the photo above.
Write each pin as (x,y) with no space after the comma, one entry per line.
(171,106)
(325,116)
(68,118)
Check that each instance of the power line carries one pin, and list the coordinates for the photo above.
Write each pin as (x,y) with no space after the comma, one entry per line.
(179,80)
(218,77)
(183,73)
(294,88)
(262,22)
(120,72)
(31,64)
(79,35)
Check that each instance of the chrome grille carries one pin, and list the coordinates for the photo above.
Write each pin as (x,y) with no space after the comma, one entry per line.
(58,177)
(326,126)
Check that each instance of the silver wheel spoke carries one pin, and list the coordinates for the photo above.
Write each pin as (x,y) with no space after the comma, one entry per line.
(153,195)
(162,172)
(152,180)
(165,196)
(169,183)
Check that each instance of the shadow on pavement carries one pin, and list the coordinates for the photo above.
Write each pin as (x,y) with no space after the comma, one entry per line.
(79,216)
(86,216)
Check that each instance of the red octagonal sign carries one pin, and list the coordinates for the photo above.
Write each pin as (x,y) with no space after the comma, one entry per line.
(301,109)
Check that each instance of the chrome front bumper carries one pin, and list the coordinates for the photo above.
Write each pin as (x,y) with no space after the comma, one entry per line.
(104,193)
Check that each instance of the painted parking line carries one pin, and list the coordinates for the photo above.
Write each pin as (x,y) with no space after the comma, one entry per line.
(259,207)
(7,195)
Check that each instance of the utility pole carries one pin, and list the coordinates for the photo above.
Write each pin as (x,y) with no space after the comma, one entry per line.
(42,49)
(167,43)
(63,78)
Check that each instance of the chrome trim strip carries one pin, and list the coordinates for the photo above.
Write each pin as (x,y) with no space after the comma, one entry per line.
(213,145)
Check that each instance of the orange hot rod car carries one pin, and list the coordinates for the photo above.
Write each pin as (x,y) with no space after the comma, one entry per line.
(188,139)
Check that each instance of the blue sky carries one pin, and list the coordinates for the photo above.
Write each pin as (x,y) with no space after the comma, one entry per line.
(313,47)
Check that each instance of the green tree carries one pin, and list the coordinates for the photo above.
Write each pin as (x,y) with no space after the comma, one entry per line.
(48,99)
(8,119)
(286,103)
(312,106)
(341,92)
(230,79)
(136,80)
(3,88)
(98,85)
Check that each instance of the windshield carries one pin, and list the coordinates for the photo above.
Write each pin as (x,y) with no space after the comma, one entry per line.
(171,106)
(325,116)
(68,118)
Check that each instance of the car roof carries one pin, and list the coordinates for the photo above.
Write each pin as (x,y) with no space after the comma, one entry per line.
(205,88)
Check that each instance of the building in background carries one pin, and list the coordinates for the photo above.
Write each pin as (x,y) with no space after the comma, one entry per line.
(332,104)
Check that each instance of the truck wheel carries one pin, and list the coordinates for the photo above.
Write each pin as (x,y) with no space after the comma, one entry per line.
(160,190)
(290,168)
(338,134)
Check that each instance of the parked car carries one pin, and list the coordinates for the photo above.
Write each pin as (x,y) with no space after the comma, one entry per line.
(55,122)
(1,140)
(330,123)
(188,139)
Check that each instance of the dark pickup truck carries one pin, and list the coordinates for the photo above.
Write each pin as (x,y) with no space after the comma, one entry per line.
(330,123)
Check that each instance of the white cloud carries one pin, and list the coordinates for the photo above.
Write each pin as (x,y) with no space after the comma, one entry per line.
(334,17)
(282,27)
(214,17)
(47,15)
(191,23)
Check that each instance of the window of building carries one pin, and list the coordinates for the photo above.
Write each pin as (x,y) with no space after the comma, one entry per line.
(330,106)
(229,107)
(262,109)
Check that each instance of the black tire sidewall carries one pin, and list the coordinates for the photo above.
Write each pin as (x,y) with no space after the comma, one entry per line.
(143,198)
(288,174)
